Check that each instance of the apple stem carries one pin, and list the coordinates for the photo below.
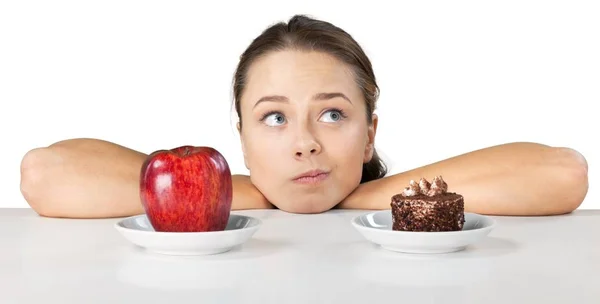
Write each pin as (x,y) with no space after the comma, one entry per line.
(188,151)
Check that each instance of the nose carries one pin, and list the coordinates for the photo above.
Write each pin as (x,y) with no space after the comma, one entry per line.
(306,144)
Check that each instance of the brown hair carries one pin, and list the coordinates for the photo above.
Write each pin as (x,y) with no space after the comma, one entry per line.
(305,33)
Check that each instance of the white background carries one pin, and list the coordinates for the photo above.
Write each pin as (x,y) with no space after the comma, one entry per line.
(157,74)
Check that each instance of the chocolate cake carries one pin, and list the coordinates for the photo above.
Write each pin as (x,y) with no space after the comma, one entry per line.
(427,207)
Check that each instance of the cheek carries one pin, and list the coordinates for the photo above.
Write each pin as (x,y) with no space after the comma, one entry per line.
(348,150)
(263,149)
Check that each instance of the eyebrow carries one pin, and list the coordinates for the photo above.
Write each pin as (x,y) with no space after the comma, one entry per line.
(318,96)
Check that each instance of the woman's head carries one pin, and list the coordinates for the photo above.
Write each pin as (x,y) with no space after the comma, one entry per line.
(305,94)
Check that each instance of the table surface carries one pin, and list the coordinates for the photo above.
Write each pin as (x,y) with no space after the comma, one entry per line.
(298,258)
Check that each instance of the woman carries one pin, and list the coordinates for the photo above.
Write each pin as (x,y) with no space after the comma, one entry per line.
(305,94)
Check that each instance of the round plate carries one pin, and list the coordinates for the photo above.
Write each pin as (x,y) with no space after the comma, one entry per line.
(138,230)
(377,228)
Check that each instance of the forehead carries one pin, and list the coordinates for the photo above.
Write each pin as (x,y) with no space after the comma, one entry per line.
(297,74)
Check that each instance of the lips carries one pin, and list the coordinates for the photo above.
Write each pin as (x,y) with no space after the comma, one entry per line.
(311,173)
(311,177)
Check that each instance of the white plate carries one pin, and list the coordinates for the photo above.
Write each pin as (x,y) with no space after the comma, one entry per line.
(377,228)
(139,231)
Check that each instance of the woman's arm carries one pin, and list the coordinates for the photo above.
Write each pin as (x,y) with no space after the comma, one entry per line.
(509,179)
(90,178)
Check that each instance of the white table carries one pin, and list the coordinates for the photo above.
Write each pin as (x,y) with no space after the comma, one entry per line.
(297,258)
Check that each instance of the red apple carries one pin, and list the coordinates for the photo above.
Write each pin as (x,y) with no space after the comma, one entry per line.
(186,189)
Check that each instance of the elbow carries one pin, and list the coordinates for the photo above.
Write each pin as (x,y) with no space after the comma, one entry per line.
(573,177)
(33,180)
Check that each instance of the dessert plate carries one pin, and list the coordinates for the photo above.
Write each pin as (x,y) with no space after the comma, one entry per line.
(377,228)
(138,230)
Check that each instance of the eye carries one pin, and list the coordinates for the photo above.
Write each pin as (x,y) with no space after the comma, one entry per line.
(334,115)
(273,119)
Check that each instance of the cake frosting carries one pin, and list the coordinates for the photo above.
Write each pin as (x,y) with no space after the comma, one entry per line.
(436,187)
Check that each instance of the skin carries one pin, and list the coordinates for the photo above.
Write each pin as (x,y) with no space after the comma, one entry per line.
(517,179)
(93,178)
(301,132)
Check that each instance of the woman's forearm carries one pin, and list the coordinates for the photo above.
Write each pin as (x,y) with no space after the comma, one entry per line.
(510,179)
(89,178)
(246,195)
(82,178)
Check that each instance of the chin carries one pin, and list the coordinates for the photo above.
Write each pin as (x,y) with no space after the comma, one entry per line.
(303,207)
(294,199)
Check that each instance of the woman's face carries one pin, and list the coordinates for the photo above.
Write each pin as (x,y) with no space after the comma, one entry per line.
(304,115)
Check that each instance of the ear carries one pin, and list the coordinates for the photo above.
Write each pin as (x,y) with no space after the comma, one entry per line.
(370,143)
(239,128)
